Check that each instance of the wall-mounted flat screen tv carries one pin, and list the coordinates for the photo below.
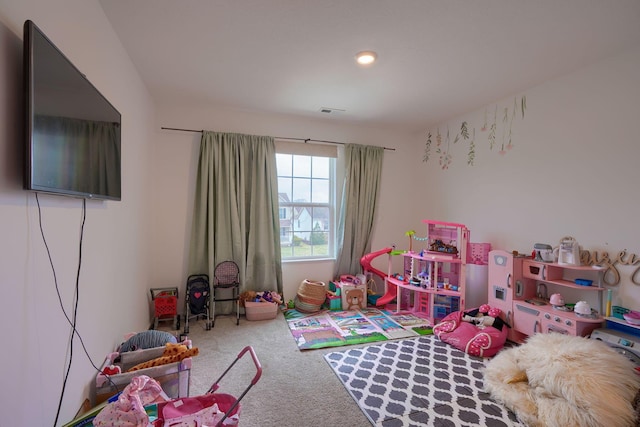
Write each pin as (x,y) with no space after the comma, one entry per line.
(72,131)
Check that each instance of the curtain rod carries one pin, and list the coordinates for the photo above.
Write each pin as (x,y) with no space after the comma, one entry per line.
(305,140)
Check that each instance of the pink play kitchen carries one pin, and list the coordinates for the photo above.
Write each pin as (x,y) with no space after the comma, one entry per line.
(547,291)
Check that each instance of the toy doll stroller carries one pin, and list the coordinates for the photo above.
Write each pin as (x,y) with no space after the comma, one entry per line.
(196,300)
(212,408)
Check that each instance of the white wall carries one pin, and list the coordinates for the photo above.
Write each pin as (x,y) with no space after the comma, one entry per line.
(174,175)
(573,169)
(113,286)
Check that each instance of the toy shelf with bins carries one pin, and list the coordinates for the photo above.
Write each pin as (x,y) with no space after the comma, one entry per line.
(435,278)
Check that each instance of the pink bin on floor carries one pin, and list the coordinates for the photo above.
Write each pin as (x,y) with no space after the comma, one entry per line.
(260,310)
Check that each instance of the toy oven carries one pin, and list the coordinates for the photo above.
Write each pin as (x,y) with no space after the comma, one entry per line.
(499,293)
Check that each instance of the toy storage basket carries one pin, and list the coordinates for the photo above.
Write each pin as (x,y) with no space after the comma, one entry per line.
(619,312)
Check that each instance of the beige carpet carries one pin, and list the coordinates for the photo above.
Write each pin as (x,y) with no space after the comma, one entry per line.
(296,389)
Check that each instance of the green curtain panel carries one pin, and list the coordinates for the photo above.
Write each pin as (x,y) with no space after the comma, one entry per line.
(363,165)
(235,215)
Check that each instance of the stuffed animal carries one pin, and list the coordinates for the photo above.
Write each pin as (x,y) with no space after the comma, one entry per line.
(172,353)
(147,339)
(247,296)
(484,316)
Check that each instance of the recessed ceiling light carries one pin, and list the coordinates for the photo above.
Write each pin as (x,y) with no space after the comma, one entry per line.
(366,57)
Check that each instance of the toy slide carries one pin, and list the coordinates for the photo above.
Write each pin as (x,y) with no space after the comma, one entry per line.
(391,291)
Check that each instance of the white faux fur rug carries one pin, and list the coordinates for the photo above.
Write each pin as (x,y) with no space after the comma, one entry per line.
(559,380)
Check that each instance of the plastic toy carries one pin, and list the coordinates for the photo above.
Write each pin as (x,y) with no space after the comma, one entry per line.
(410,235)
(112,370)
(440,246)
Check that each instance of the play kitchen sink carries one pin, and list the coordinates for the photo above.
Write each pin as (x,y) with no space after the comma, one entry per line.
(536,301)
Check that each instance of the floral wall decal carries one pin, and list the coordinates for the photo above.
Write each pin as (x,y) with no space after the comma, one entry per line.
(464,131)
(427,149)
(468,133)
(492,131)
(445,154)
(484,126)
(471,156)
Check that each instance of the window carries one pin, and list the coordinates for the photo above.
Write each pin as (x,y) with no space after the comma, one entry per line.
(306,205)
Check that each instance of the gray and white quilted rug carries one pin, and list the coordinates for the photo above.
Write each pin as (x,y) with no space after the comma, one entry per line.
(418,382)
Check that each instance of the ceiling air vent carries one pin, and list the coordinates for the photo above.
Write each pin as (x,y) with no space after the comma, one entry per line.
(328,110)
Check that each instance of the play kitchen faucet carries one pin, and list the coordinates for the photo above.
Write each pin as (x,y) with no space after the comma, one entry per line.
(541,291)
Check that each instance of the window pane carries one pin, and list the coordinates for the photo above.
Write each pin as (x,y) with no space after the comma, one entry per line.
(320,193)
(319,241)
(302,166)
(320,219)
(321,167)
(284,164)
(284,189)
(301,190)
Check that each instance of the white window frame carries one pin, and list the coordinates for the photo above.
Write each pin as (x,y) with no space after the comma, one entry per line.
(315,150)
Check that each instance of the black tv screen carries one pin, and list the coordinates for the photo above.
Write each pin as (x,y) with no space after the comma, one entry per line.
(72,131)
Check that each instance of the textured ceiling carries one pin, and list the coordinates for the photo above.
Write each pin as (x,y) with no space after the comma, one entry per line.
(437,58)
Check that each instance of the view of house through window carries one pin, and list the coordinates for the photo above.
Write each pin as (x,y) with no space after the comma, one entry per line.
(305,194)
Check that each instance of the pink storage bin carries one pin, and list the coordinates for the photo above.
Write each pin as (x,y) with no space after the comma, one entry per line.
(478,253)
(260,310)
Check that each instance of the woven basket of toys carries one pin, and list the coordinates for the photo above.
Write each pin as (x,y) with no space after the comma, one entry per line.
(311,295)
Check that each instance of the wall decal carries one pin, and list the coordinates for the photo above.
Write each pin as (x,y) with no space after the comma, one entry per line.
(506,139)
(492,131)
(427,149)
(471,156)
(464,132)
(445,154)
(484,126)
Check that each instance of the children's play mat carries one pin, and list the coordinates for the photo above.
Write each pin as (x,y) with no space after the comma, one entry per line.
(339,328)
